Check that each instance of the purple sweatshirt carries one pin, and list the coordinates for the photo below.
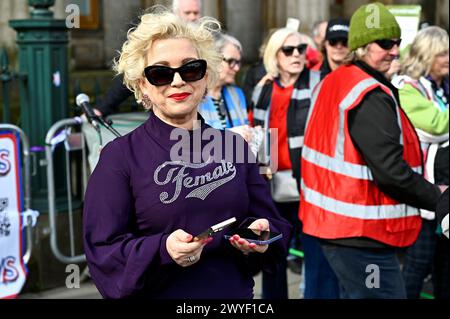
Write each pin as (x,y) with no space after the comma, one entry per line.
(136,197)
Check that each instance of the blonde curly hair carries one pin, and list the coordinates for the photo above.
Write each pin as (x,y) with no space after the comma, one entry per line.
(428,43)
(162,24)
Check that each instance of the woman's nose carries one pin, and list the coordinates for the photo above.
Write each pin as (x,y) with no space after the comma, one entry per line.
(177,80)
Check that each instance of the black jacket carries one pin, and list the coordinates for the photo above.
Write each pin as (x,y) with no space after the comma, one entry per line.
(252,77)
(118,92)
(325,68)
(373,127)
(442,207)
(111,101)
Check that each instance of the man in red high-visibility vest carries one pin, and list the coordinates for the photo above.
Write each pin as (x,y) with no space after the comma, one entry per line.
(361,165)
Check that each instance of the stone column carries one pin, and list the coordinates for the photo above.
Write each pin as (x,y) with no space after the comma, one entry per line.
(60,9)
(308,12)
(211,8)
(11,9)
(118,17)
(282,7)
(269,13)
(442,13)
(243,19)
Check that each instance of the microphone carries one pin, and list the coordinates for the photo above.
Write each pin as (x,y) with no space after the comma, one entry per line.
(82,101)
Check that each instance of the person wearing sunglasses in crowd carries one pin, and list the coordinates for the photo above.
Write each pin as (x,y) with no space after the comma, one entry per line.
(145,202)
(188,10)
(281,101)
(424,93)
(225,105)
(362,185)
(335,48)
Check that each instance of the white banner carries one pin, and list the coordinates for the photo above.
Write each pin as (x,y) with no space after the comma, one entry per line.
(12,269)
(408,17)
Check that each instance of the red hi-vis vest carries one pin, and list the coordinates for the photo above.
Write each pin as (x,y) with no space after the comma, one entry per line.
(339,198)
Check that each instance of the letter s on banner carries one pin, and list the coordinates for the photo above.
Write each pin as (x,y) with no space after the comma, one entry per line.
(5,164)
(12,269)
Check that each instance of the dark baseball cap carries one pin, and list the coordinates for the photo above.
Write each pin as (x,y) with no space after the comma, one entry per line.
(337,29)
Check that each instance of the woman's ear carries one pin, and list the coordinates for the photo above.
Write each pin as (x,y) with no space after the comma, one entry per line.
(142,85)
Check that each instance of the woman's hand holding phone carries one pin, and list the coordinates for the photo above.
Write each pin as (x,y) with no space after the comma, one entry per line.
(183,250)
(247,247)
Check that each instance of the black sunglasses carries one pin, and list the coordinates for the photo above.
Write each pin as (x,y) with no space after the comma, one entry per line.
(289,50)
(159,75)
(388,44)
(232,62)
(334,42)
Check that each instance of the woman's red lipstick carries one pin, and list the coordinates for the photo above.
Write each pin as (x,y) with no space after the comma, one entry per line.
(179,96)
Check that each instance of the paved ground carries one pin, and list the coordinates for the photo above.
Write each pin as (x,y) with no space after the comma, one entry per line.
(88,290)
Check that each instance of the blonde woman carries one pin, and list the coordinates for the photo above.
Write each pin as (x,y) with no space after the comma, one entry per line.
(424,93)
(423,88)
(144,208)
(281,101)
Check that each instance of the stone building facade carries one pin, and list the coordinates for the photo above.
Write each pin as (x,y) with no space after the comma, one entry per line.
(248,20)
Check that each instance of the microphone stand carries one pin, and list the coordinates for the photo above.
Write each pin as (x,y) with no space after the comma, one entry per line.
(95,120)
(107,124)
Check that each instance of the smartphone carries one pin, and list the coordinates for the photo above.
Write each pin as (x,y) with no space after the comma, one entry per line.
(259,237)
(214,229)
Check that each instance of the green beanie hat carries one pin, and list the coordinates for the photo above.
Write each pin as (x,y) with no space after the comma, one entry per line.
(372,22)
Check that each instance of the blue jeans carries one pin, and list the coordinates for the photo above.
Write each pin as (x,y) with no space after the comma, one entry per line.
(320,280)
(365,273)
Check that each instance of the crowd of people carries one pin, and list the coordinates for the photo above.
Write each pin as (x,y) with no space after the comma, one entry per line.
(351,170)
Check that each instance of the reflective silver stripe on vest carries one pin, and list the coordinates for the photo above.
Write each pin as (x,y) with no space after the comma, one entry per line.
(348,101)
(399,119)
(256,93)
(301,94)
(314,79)
(296,142)
(355,210)
(315,94)
(337,166)
(260,114)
